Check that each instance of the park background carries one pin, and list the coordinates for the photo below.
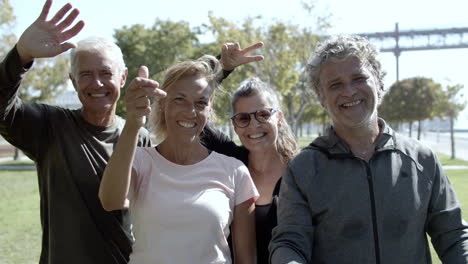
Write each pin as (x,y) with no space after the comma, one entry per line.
(19,215)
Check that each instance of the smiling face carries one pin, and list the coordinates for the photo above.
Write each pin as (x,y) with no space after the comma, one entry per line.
(97,80)
(257,136)
(187,108)
(349,93)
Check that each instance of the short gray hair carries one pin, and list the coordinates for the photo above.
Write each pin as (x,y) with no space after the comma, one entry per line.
(340,47)
(96,44)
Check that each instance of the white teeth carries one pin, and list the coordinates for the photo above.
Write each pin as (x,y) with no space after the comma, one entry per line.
(256,135)
(352,103)
(98,95)
(186,124)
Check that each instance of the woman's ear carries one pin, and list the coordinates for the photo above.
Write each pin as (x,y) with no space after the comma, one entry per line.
(280,117)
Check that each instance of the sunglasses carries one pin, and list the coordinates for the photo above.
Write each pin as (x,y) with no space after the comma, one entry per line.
(242,120)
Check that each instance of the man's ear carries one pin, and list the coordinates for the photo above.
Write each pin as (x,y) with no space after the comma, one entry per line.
(72,79)
(124,77)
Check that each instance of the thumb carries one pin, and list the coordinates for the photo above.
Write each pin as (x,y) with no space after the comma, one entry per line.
(143,72)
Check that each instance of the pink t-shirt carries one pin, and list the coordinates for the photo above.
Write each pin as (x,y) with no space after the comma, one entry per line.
(182,213)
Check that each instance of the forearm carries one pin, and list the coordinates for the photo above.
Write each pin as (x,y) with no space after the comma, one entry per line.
(115,182)
(243,233)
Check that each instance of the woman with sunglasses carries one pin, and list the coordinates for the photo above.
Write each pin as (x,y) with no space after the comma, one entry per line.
(264,132)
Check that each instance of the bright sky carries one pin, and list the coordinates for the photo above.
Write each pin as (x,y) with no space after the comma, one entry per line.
(348,16)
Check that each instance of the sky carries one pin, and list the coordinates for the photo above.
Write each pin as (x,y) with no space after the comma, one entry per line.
(102,17)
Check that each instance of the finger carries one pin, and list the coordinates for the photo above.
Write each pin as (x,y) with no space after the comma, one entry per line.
(237,46)
(253,58)
(141,102)
(68,20)
(61,13)
(224,51)
(65,46)
(140,83)
(151,91)
(45,10)
(66,35)
(143,72)
(253,47)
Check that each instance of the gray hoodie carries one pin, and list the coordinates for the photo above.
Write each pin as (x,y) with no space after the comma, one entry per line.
(337,208)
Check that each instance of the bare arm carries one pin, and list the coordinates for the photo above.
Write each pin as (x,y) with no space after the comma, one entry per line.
(115,182)
(243,233)
(44,39)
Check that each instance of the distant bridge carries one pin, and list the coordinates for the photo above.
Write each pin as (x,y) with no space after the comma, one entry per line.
(411,40)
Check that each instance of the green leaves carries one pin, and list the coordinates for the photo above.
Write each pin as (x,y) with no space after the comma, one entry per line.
(157,47)
(420,98)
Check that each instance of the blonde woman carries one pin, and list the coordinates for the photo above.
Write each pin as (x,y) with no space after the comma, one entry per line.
(182,196)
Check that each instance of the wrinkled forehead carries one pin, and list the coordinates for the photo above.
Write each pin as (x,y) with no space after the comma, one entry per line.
(343,66)
(95,58)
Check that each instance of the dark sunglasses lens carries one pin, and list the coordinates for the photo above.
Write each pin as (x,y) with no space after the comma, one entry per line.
(263,115)
(242,120)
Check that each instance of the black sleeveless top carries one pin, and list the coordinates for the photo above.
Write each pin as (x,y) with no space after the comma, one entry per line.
(265,221)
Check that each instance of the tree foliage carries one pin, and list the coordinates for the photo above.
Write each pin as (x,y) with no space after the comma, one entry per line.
(287,49)
(450,105)
(157,47)
(7,22)
(410,100)
(45,80)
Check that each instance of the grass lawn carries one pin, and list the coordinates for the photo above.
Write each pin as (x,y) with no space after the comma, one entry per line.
(20,234)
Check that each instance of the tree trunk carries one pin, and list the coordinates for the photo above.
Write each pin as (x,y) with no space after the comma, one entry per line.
(452,138)
(16,155)
(410,128)
(419,129)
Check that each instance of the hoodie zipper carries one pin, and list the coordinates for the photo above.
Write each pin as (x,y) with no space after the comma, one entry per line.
(374,213)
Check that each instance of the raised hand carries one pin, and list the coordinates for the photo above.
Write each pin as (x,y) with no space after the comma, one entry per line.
(43,39)
(136,98)
(232,55)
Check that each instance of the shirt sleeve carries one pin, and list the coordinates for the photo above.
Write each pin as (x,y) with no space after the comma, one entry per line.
(445,225)
(216,140)
(292,238)
(21,123)
(244,186)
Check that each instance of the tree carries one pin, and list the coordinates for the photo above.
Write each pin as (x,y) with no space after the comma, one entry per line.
(7,22)
(157,47)
(287,50)
(450,104)
(46,79)
(411,100)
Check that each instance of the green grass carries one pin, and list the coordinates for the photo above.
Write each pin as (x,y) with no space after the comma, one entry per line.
(20,234)
(459,179)
(17,163)
(445,160)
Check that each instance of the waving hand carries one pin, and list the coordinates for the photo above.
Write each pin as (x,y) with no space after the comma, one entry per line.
(44,38)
